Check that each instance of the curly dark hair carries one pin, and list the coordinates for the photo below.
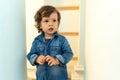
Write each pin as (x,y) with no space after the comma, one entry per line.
(44,11)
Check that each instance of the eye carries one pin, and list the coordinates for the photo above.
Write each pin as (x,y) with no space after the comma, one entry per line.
(46,21)
(54,20)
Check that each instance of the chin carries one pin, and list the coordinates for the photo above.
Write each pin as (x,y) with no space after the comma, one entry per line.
(50,33)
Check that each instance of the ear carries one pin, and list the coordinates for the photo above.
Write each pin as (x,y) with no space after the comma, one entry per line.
(40,27)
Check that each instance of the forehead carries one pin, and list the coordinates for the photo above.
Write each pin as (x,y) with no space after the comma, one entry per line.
(53,15)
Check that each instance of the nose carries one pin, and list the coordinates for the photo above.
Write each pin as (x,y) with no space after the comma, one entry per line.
(50,23)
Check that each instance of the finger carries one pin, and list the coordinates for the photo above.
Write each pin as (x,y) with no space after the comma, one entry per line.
(40,62)
(43,60)
(48,56)
(48,59)
(50,63)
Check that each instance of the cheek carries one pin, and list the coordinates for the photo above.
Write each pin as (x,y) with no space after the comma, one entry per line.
(43,25)
(57,24)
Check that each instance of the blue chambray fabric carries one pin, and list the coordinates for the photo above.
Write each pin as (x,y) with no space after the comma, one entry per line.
(57,47)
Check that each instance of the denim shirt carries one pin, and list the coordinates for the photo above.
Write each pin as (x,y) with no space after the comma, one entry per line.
(58,47)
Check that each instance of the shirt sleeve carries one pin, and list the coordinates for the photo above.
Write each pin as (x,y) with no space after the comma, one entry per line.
(32,55)
(67,53)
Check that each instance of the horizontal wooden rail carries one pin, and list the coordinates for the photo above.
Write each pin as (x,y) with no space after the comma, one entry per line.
(70,33)
(75,58)
(68,8)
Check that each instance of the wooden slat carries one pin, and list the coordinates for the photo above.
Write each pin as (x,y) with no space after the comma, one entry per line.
(75,58)
(69,33)
(68,8)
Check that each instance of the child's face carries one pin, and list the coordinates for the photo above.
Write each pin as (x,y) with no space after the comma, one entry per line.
(50,24)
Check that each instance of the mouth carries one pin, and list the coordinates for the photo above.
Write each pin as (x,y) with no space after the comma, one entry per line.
(51,29)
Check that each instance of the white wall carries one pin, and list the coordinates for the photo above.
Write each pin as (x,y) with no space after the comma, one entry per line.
(31,31)
(12,40)
(70,21)
(102,40)
(62,2)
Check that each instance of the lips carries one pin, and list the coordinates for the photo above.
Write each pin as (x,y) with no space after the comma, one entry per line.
(51,29)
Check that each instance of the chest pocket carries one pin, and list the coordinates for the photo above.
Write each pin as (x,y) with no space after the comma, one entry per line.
(40,49)
(54,50)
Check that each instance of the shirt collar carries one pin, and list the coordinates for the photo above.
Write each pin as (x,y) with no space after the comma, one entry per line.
(42,38)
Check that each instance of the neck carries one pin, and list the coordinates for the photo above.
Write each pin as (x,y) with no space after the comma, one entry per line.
(48,37)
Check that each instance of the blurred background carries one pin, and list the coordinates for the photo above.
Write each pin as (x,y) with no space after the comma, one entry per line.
(91,26)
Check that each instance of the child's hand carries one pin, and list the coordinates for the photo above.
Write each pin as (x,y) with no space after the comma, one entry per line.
(40,59)
(51,60)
